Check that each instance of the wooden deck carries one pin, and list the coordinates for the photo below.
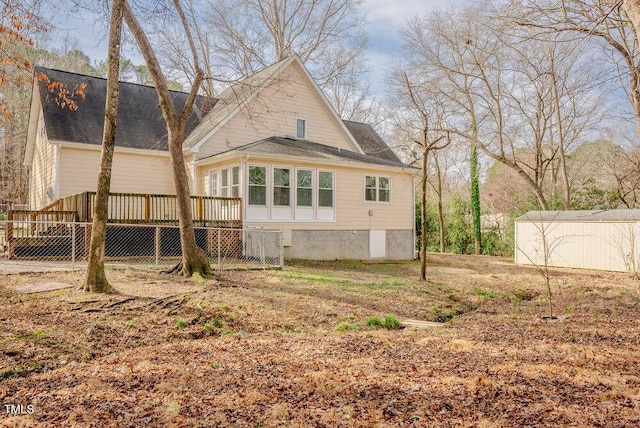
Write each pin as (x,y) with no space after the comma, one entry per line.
(48,230)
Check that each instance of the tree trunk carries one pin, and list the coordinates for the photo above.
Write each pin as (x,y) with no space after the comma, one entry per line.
(423,218)
(443,243)
(632,8)
(95,279)
(194,259)
(475,199)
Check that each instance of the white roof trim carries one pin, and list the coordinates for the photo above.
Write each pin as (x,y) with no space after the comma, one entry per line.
(32,131)
(271,158)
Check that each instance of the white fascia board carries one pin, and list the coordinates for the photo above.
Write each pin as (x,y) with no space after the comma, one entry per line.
(270,158)
(97,147)
(32,130)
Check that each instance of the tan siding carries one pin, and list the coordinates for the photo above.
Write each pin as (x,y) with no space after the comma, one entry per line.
(352,212)
(43,171)
(132,172)
(274,113)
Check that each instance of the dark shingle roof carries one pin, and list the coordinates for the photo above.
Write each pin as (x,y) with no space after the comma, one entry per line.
(310,150)
(140,122)
(370,142)
(585,216)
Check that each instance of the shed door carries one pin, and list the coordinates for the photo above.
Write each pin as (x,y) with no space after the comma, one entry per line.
(377,243)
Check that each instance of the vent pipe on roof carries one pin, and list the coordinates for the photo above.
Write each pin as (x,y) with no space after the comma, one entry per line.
(289,137)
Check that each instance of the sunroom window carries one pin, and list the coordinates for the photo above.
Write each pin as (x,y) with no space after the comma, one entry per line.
(325,189)
(257,185)
(281,186)
(304,188)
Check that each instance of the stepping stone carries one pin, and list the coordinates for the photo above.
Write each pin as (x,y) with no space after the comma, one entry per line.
(421,324)
(42,287)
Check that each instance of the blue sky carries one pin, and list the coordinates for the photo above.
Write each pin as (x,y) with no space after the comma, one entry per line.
(384,17)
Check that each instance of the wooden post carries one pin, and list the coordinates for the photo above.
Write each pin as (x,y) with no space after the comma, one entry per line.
(147,207)
(157,245)
(9,233)
(199,207)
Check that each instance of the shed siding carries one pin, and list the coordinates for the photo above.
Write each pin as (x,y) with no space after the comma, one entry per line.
(131,173)
(43,170)
(609,246)
(274,113)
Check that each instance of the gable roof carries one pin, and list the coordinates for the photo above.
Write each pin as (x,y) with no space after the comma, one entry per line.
(140,121)
(239,95)
(370,141)
(582,216)
(307,149)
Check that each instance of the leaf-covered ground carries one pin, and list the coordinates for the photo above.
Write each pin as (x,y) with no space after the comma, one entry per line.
(293,348)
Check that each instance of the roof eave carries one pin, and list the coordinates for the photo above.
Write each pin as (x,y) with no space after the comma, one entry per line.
(279,157)
(32,130)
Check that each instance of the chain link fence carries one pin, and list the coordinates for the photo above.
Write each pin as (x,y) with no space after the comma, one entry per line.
(140,245)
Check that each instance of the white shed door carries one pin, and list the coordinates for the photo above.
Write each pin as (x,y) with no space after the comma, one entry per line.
(377,243)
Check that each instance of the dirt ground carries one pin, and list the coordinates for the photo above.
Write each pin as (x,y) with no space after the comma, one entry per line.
(299,347)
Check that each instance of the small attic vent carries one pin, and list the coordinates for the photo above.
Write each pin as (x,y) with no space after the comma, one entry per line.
(290,137)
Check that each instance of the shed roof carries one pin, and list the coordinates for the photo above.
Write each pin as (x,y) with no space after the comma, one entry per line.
(140,122)
(582,216)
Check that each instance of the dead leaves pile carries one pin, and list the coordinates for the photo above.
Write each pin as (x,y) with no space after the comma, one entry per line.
(500,365)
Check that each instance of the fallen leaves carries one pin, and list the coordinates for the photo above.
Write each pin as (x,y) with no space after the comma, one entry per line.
(500,365)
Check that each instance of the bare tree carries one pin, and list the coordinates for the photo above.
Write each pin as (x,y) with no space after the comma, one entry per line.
(194,259)
(237,38)
(420,128)
(500,86)
(95,279)
(604,24)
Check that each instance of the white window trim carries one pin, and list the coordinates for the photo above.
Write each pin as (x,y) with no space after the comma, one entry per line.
(333,188)
(304,121)
(213,191)
(272,187)
(230,180)
(313,185)
(267,199)
(377,188)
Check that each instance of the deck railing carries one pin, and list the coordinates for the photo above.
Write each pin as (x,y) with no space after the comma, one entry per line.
(149,208)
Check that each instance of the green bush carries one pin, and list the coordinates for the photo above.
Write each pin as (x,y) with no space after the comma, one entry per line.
(391,322)
(345,326)
(374,322)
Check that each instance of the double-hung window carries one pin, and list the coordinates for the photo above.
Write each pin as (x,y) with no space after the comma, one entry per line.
(224,182)
(325,189)
(213,183)
(304,188)
(257,185)
(235,181)
(301,128)
(281,186)
(377,189)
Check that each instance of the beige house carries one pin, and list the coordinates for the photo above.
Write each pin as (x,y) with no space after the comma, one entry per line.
(333,187)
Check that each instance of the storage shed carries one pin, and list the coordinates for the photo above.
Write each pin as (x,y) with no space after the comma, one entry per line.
(593,239)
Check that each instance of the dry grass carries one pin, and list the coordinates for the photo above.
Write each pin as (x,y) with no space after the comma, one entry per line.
(258,348)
